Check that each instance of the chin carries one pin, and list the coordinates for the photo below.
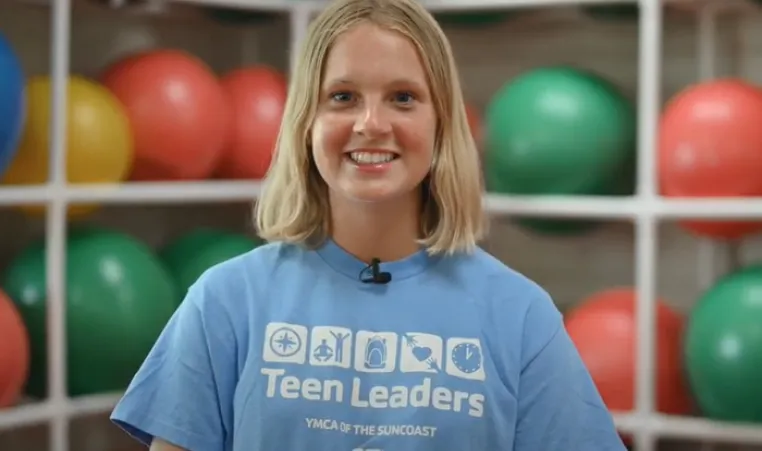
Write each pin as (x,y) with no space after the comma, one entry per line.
(371,197)
(372,194)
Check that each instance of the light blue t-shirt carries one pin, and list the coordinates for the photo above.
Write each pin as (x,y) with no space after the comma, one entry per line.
(285,349)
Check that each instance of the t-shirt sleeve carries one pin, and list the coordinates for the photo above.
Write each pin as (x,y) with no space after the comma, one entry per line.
(560,408)
(183,392)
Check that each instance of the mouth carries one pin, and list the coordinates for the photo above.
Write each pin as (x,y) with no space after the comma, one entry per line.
(371,157)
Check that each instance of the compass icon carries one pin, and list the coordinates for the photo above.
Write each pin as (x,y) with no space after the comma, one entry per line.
(285,342)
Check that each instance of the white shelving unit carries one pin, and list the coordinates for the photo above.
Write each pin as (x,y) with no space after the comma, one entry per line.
(645,210)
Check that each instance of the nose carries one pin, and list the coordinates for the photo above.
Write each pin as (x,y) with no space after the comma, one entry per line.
(373,121)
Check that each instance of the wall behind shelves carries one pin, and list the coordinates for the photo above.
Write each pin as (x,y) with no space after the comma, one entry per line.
(570,268)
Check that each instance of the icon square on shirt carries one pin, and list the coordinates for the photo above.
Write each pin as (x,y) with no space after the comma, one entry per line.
(330,346)
(465,359)
(285,343)
(375,352)
(421,353)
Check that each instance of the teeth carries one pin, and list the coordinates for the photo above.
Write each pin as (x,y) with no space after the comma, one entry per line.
(371,157)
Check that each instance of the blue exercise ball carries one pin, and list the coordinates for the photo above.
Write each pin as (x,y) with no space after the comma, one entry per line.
(12,103)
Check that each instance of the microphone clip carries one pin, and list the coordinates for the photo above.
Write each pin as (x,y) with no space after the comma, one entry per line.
(373,274)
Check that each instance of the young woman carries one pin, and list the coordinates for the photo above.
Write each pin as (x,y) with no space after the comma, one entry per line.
(309,343)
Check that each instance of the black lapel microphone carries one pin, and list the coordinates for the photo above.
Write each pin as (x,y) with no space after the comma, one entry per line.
(373,274)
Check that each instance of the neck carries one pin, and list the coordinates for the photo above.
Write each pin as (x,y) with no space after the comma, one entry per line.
(371,230)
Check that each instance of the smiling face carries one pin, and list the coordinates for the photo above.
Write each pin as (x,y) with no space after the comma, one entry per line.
(374,133)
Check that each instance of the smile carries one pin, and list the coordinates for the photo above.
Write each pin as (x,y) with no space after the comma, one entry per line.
(361,157)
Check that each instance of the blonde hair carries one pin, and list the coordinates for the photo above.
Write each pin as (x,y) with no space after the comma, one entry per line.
(294,206)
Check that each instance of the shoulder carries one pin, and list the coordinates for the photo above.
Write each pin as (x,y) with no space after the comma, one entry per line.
(264,260)
(512,298)
(259,264)
(493,281)
(227,285)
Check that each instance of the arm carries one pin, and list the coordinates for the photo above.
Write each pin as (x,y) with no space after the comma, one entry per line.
(159,445)
(183,392)
(559,406)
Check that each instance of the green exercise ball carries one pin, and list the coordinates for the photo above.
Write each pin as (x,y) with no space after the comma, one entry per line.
(723,348)
(559,131)
(556,227)
(189,256)
(613,13)
(119,297)
(180,250)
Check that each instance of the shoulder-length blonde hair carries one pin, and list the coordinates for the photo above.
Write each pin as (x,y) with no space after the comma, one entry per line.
(294,207)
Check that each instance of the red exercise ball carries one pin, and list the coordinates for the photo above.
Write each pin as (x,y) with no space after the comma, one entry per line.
(710,145)
(258,97)
(178,114)
(604,330)
(14,353)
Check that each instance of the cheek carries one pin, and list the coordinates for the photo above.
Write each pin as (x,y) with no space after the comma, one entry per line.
(330,136)
(417,137)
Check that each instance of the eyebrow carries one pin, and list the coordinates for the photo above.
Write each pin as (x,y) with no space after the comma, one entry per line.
(338,81)
(395,82)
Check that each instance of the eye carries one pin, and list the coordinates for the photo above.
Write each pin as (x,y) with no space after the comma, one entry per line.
(404,97)
(341,96)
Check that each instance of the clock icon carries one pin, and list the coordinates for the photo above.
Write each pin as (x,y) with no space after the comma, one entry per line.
(467,357)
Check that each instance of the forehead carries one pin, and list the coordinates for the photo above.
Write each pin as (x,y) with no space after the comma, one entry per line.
(368,53)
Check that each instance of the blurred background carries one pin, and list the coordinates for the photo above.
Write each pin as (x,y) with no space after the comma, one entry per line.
(187,98)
